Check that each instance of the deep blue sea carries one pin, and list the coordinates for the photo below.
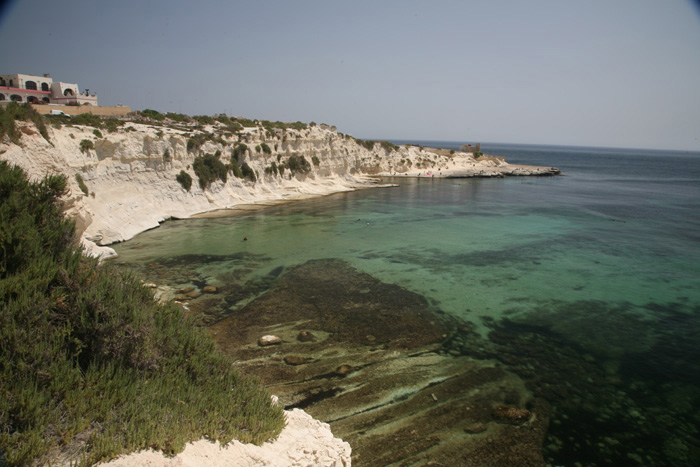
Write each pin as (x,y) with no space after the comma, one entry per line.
(603,262)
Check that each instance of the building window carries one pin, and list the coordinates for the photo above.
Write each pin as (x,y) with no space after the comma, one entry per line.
(68,92)
(2,82)
(2,97)
(30,85)
(32,99)
(44,87)
(16,98)
(46,99)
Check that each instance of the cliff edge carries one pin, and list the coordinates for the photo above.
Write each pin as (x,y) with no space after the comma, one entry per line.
(128,175)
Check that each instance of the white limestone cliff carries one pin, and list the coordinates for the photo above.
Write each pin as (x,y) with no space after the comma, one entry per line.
(131,173)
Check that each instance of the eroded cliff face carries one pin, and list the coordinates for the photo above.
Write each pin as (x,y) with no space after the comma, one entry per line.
(131,173)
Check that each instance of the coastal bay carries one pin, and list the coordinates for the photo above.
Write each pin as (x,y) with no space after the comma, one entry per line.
(456,287)
(577,288)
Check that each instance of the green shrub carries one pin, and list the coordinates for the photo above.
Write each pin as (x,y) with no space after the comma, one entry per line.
(248,172)
(209,169)
(112,124)
(13,112)
(153,115)
(298,164)
(265,148)
(268,125)
(166,155)
(315,161)
(366,144)
(231,124)
(234,167)
(85,145)
(87,120)
(245,122)
(90,360)
(234,127)
(204,119)
(97,133)
(81,184)
(272,169)
(478,154)
(184,179)
(389,146)
(196,141)
(180,118)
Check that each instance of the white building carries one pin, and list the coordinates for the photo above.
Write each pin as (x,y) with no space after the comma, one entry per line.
(42,90)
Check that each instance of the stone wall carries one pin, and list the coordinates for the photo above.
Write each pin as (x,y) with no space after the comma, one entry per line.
(84,109)
(470,148)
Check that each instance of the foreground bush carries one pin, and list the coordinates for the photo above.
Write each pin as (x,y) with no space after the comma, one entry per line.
(90,365)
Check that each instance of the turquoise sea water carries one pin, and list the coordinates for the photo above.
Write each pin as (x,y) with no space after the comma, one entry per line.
(605,257)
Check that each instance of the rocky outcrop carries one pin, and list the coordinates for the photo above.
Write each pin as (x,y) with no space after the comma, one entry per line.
(304,441)
(130,174)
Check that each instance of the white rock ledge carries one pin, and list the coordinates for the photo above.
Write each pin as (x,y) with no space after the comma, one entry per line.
(303,442)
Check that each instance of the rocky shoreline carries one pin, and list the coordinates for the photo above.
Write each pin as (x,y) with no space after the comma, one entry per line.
(407,384)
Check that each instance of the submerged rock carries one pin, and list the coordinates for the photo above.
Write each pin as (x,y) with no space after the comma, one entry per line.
(210,289)
(306,336)
(509,414)
(185,290)
(269,340)
(295,360)
(343,370)
(475,428)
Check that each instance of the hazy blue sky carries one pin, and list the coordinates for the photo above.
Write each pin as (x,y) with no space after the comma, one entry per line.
(599,73)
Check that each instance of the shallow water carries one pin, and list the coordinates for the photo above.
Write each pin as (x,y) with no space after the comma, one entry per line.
(604,260)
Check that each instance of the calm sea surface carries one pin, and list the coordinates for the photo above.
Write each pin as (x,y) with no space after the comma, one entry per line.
(606,258)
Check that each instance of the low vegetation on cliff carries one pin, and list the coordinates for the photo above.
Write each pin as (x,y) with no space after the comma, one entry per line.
(91,366)
(13,112)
